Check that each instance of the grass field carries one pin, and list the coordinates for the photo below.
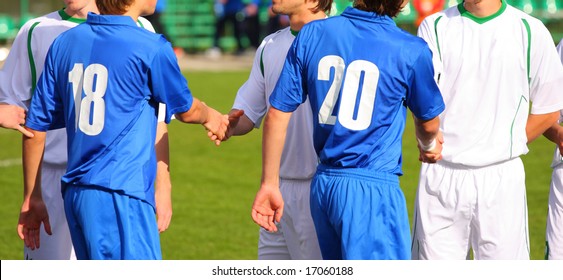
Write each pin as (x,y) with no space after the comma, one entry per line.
(213,187)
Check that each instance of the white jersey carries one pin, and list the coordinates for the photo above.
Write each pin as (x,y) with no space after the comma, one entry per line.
(489,70)
(557,159)
(24,65)
(299,159)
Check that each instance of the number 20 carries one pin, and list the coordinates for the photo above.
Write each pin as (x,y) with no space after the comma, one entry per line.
(93,103)
(349,92)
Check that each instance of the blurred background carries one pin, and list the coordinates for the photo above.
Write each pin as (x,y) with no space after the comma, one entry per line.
(214,28)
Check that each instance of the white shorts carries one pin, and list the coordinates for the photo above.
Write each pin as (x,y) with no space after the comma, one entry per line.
(459,208)
(296,238)
(57,246)
(554,229)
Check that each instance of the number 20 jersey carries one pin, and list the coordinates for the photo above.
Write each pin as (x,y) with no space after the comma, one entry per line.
(103,81)
(360,72)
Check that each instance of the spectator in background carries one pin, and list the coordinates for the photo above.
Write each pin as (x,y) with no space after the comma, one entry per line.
(252,22)
(228,11)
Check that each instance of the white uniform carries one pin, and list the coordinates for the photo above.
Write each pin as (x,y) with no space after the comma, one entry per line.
(554,229)
(489,70)
(18,77)
(296,237)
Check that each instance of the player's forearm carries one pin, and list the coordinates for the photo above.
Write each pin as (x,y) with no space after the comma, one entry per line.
(243,126)
(273,139)
(32,155)
(162,148)
(426,131)
(198,113)
(538,124)
(553,131)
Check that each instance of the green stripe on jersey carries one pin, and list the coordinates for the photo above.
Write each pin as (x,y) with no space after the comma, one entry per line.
(436,32)
(480,20)
(65,16)
(31,60)
(527,25)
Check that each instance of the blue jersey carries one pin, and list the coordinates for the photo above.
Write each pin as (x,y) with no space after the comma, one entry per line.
(103,81)
(360,72)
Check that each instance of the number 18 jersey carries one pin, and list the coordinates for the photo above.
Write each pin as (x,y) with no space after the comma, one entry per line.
(103,81)
(360,72)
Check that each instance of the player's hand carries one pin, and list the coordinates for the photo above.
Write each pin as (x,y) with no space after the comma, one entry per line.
(216,125)
(267,209)
(435,154)
(33,213)
(163,199)
(13,117)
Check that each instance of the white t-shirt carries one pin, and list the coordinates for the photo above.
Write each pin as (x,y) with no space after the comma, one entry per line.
(557,159)
(489,70)
(299,159)
(22,69)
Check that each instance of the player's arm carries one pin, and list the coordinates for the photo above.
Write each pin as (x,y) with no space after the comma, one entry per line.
(239,123)
(555,134)
(538,123)
(163,184)
(429,139)
(13,117)
(210,118)
(33,210)
(268,203)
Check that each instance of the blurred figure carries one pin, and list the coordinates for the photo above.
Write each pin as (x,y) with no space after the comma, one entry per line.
(228,11)
(252,22)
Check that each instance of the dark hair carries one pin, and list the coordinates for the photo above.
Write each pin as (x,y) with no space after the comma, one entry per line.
(323,5)
(113,7)
(382,7)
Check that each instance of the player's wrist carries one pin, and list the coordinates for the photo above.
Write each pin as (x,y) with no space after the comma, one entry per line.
(427,147)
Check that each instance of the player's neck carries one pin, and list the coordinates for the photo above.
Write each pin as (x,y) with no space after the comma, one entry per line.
(482,8)
(83,12)
(296,21)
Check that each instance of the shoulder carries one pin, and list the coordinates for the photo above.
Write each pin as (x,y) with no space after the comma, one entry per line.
(146,24)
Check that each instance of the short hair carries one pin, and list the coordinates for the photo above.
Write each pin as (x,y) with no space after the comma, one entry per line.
(381,7)
(113,7)
(323,5)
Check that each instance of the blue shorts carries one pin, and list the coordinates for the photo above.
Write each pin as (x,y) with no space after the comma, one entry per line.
(107,225)
(360,214)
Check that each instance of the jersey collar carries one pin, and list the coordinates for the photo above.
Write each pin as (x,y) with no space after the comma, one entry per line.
(464,13)
(351,12)
(110,19)
(65,16)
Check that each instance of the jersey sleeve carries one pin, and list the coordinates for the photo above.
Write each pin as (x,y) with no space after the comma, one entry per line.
(290,91)
(427,31)
(15,76)
(424,98)
(167,83)
(251,96)
(546,72)
(46,108)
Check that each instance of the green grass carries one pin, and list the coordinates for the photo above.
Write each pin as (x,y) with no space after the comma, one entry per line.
(213,187)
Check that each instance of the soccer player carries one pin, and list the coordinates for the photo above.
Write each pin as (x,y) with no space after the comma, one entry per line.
(106,93)
(360,72)
(13,117)
(296,238)
(554,229)
(491,62)
(17,82)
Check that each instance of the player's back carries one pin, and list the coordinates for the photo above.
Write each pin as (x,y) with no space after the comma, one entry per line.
(103,71)
(359,68)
